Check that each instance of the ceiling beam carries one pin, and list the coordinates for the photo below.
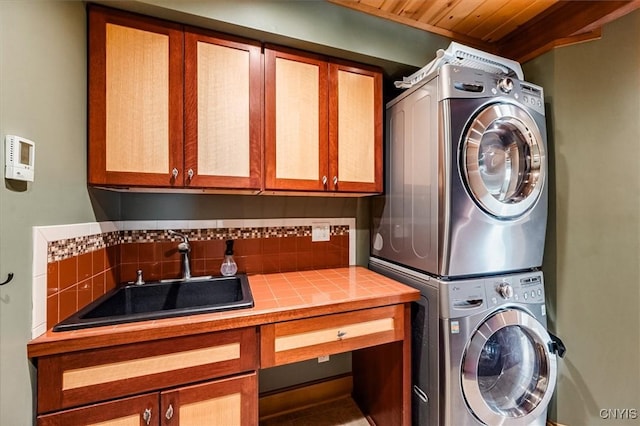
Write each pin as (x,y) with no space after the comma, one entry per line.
(566,22)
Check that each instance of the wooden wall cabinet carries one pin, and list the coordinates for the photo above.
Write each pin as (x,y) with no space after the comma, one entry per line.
(179,107)
(323,124)
(148,383)
(171,108)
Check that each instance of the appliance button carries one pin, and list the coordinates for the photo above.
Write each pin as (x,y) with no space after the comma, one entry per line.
(526,295)
(533,293)
(539,292)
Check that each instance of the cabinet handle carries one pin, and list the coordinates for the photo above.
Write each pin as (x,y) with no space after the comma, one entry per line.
(341,334)
(146,416)
(174,173)
(169,412)
(335,181)
(324,180)
(190,174)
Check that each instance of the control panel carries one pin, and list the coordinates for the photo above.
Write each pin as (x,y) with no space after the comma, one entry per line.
(461,82)
(469,297)
(521,289)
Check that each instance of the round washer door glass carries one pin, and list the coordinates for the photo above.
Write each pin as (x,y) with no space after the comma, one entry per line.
(508,372)
(504,160)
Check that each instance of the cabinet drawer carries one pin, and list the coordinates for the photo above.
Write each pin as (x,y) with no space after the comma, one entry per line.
(291,341)
(77,378)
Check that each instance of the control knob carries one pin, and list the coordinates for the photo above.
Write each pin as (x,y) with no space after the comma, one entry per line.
(505,290)
(505,85)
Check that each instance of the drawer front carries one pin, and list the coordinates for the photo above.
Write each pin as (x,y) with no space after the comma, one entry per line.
(291,341)
(79,378)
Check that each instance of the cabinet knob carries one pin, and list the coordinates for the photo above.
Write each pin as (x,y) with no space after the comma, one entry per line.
(341,334)
(324,180)
(174,173)
(169,412)
(146,416)
(190,174)
(335,181)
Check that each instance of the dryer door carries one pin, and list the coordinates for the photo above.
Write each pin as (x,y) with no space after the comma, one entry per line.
(503,159)
(508,370)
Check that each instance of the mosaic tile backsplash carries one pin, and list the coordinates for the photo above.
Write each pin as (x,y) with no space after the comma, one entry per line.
(83,268)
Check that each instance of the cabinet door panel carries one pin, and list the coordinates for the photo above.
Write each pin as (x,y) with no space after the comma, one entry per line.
(133,411)
(232,401)
(135,100)
(223,112)
(355,119)
(296,146)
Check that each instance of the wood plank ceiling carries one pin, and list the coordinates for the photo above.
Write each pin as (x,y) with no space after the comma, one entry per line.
(516,29)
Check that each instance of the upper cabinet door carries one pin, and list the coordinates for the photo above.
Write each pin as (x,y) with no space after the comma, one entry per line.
(355,120)
(135,100)
(223,112)
(296,133)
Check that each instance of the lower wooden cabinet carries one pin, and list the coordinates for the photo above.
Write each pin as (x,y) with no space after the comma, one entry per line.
(202,379)
(211,378)
(231,401)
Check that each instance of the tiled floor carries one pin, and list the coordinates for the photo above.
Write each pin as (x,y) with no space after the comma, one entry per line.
(343,412)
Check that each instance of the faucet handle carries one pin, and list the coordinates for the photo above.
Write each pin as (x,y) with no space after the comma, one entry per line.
(179,234)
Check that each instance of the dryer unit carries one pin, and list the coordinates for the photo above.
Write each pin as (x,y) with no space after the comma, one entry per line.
(466,185)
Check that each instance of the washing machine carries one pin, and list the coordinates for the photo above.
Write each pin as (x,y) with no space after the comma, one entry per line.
(499,365)
(481,353)
(466,172)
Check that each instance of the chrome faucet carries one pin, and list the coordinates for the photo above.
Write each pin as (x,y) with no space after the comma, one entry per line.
(184,248)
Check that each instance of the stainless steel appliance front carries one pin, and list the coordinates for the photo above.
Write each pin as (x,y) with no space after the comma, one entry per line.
(499,366)
(466,188)
(481,354)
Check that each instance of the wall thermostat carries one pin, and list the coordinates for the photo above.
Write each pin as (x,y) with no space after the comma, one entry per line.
(19,158)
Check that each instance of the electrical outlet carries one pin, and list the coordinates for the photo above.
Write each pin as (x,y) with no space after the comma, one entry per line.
(323,358)
(320,231)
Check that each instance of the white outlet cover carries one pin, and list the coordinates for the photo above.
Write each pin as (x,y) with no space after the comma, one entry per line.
(320,231)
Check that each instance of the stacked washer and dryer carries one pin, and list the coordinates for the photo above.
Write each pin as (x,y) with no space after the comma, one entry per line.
(463,220)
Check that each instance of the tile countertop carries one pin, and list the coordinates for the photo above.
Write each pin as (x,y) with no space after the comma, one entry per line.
(278,297)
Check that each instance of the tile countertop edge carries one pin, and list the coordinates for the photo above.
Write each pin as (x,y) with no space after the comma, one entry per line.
(52,343)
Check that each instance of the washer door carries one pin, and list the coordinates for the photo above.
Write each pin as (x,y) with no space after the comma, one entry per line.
(503,160)
(508,371)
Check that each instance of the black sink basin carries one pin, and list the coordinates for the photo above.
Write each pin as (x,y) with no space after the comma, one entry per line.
(163,299)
